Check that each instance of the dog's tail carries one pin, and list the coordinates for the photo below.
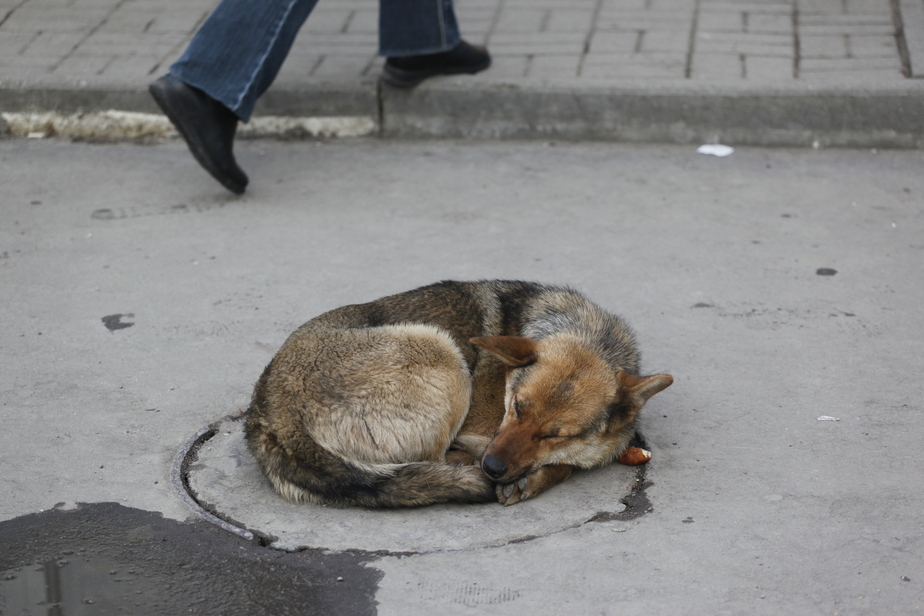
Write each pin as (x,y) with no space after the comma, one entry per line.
(312,473)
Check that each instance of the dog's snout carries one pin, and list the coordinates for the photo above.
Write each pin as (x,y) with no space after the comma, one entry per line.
(493,466)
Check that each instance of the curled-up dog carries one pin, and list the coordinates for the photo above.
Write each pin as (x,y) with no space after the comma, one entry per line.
(457,391)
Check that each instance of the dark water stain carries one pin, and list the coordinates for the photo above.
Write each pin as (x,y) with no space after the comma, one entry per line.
(636,502)
(106,558)
(103,214)
(74,585)
(114,321)
(132,212)
(825,271)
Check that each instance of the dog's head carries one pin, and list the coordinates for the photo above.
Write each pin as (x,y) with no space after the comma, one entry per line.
(564,404)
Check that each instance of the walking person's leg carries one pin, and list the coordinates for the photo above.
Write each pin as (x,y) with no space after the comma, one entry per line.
(236,55)
(420,39)
(230,62)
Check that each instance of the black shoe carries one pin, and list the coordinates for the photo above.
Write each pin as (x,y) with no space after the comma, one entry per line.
(408,72)
(207,126)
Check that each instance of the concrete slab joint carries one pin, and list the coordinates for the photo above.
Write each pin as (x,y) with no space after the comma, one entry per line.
(911,13)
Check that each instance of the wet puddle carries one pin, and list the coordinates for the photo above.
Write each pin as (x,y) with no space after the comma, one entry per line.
(71,586)
(104,558)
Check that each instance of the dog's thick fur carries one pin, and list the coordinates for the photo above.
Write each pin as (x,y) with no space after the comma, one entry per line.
(361,404)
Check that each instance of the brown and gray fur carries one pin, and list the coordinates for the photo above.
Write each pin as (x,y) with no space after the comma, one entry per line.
(362,405)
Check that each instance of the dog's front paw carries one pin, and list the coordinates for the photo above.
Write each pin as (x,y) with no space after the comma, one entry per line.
(512,493)
(532,484)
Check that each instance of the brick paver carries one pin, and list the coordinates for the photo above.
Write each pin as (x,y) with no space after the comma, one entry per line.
(779,72)
(700,40)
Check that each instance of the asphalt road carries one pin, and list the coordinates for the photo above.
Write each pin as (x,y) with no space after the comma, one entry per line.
(781,288)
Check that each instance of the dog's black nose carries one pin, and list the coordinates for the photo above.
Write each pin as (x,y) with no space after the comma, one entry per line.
(493,466)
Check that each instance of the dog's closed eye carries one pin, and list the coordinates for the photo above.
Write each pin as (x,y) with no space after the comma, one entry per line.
(552,433)
(518,408)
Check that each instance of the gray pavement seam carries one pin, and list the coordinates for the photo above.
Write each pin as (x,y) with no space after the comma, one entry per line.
(911,13)
(796,41)
(691,42)
(89,33)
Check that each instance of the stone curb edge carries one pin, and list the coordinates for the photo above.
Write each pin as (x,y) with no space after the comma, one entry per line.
(890,117)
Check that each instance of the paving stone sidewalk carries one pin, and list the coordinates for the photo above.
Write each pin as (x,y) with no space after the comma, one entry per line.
(640,69)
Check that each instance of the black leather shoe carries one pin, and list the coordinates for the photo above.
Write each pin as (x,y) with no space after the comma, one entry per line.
(409,71)
(207,126)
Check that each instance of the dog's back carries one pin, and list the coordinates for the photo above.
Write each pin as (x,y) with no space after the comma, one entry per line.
(364,417)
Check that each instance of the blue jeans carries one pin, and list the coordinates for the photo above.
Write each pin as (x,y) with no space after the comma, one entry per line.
(238,51)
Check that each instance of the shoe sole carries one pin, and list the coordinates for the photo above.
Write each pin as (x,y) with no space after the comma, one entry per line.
(408,79)
(203,161)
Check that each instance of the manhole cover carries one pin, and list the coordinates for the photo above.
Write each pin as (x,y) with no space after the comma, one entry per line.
(220,475)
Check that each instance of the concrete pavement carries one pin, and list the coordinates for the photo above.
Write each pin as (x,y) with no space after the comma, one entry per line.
(770,72)
(778,286)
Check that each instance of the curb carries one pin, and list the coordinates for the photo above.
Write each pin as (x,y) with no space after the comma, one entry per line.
(831,117)
(453,108)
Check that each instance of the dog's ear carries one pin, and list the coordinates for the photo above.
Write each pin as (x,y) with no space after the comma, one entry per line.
(638,389)
(514,351)
(632,394)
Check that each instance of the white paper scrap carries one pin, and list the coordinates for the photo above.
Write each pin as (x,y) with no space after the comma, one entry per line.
(715,149)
